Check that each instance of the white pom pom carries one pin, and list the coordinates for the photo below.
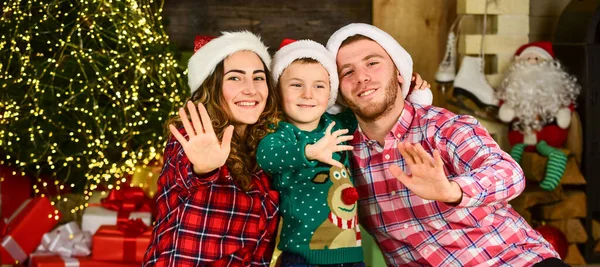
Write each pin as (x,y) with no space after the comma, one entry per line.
(563,118)
(335,109)
(506,113)
(421,96)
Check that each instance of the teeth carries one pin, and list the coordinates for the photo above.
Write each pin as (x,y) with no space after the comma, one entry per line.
(366,93)
(247,104)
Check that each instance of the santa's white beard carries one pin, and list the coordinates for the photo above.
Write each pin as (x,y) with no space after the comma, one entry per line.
(536,92)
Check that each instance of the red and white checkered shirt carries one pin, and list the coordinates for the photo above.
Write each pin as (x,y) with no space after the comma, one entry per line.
(482,230)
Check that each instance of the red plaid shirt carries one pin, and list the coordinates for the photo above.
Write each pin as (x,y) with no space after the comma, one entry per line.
(209,221)
(482,230)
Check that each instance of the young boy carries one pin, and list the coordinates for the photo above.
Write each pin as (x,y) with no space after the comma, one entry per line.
(308,161)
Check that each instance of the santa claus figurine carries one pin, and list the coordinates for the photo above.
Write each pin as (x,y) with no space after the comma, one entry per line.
(537,97)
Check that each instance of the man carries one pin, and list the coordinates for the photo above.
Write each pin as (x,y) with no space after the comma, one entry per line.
(447,210)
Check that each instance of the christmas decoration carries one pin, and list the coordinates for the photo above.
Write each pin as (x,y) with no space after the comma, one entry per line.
(25,229)
(44,259)
(124,242)
(556,238)
(86,89)
(15,188)
(67,240)
(538,97)
(119,206)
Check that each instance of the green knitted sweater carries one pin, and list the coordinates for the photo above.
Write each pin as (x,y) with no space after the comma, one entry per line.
(317,200)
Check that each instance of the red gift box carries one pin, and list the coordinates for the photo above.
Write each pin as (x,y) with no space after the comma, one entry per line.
(58,261)
(14,190)
(125,242)
(25,229)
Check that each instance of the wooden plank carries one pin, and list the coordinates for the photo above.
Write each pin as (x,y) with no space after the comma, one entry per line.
(425,38)
(595,230)
(512,24)
(272,19)
(494,7)
(547,8)
(574,256)
(494,44)
(573,206)
(573,230)
(535,195)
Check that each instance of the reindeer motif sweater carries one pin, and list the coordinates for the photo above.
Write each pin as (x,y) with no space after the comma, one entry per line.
(317,201)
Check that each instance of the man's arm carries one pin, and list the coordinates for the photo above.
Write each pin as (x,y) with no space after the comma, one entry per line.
(485,174)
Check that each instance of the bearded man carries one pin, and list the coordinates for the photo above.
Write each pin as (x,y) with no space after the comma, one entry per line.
(537,98)
(433,186)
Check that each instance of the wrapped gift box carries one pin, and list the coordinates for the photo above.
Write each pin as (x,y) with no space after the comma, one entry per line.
(119,206)
(14,190)
(58,261)
(113,243)
(25,229)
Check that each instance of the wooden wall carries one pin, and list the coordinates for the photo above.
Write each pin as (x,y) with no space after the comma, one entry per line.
(272,19)
(421,27)
(543,18)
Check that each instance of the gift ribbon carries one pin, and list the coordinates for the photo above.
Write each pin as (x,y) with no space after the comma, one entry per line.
(125,201)
(70,262)
(13,248)
(132,229)
(67,240)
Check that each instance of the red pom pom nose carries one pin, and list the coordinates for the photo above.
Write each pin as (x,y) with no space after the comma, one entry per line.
(349,195)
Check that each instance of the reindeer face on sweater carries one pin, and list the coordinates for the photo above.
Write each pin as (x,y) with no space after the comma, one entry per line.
(342,195)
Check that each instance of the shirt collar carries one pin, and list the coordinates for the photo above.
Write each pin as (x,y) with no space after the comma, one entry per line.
(400,128)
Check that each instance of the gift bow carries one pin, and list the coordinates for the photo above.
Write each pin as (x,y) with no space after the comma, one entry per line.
(132,228)
(126,200)
(67,240)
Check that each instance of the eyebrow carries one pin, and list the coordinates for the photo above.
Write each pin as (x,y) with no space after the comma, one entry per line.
(298,79)
(243,72)
(364,59)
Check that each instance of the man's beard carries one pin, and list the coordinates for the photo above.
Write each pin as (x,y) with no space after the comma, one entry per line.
(536,92)
(373,112)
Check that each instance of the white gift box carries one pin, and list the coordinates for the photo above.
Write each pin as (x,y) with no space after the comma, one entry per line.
(96,216)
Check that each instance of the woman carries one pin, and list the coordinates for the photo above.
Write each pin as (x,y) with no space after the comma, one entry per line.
(215,207)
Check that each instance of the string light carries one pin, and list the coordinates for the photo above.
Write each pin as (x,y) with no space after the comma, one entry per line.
(86,87)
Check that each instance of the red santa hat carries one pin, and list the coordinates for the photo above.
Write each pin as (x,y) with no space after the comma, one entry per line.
(399,55)
(291,50)
(542,48)
(209,51)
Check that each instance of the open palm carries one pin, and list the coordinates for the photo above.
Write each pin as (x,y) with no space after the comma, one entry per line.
(428,179)
(203,148)
(323,149)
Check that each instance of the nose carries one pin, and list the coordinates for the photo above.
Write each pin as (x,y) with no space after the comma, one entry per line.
(349,195)
(249,88)
(307,93)
(362,75)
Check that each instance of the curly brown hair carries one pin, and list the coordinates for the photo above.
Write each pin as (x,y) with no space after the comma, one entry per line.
(242,158)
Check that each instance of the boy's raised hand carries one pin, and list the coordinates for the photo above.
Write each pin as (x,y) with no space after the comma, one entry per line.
(323,149)
(203,149)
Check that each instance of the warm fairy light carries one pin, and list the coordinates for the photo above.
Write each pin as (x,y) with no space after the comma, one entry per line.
(86,88)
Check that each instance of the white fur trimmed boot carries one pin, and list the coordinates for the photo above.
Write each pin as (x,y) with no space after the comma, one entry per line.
(470,82)
(446,71)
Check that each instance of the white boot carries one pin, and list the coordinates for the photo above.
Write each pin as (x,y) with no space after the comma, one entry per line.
(446,71)
(471,83)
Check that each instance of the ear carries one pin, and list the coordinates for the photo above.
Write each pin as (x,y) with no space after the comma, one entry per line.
(400,78)
(320,178)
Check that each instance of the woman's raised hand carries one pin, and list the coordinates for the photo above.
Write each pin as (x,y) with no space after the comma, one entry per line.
(203,148)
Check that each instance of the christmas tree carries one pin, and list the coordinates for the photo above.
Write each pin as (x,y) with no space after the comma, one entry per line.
(85,87)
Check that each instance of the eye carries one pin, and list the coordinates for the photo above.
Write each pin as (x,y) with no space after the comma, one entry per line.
(337,175)
(320,86)
(259,78)
(347,73)
(373,63)
(296,85)
(344,174)
(233,78)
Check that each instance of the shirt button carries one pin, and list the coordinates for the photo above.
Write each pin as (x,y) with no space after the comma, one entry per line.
(393,193)
(387,156)
(398,135)
(473,190)
(405,226)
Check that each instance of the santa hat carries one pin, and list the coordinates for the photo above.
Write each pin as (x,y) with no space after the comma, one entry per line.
(542,48)
(291,50)
(399,56)
(209,51)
